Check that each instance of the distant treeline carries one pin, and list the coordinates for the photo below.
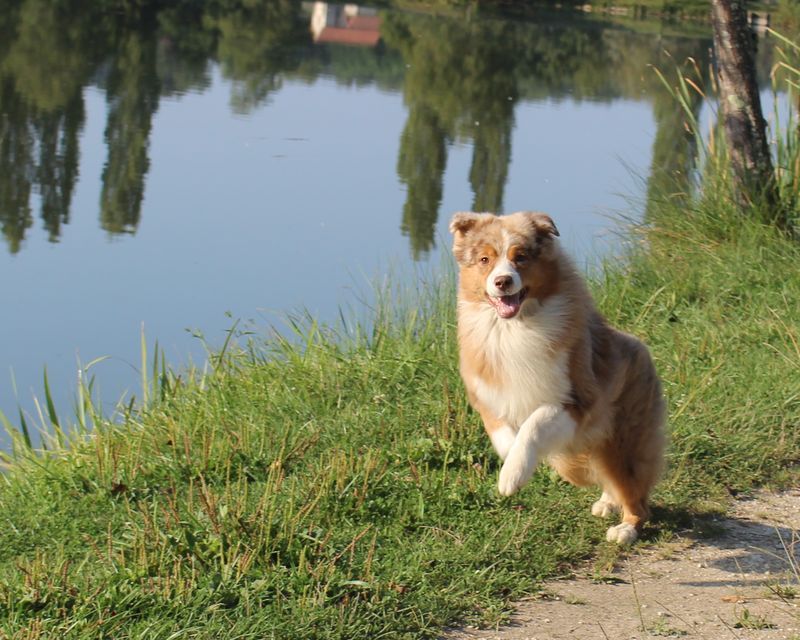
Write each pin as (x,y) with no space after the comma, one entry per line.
(784,13)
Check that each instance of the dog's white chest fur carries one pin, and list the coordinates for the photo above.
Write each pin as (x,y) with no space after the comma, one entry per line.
(532,372)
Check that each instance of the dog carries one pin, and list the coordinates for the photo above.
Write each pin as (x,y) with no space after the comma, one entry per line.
(550,378)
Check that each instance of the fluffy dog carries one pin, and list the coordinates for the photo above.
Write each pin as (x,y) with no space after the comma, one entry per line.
(550,378)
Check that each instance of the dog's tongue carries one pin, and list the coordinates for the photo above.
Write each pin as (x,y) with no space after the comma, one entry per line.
(507,306)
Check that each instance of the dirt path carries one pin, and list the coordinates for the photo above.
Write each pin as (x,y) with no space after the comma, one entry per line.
(740,583)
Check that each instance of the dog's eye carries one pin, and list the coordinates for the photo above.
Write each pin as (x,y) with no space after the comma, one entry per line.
(521,258)
(485,260)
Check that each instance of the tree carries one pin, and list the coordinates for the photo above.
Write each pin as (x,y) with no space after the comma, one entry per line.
(133,92)
(258,43)
(460,84)
(420,166)
(740,105)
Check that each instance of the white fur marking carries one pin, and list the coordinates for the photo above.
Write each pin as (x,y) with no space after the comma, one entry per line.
(504,267)
(502,439)
(533,374)
(622,534)
(605,506)
(548,430)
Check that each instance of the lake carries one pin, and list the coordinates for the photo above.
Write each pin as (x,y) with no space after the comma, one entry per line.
(173,168)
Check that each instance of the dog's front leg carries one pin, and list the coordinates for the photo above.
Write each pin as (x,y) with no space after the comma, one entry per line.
(545,431)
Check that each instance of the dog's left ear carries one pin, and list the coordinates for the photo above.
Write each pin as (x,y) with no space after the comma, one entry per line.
(543,223)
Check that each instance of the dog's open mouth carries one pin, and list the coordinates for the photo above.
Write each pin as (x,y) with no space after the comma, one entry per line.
(508,306)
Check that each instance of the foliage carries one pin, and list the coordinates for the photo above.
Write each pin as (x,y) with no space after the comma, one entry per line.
(700,161)
(786,73)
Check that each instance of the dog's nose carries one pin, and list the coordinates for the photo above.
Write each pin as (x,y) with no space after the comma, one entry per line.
(503,282)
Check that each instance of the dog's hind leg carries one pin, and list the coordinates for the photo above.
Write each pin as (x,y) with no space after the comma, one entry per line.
(605,506)
(634,515)
(575,469)
(628,485)
(630,462)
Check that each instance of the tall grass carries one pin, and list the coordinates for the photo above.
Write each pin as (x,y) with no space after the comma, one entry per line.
(311,489)
(786,74)
(711,177)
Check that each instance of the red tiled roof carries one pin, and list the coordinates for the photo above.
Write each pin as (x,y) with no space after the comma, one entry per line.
(362,37)
(364,23)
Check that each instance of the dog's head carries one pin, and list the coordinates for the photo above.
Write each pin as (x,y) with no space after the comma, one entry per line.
(505,260)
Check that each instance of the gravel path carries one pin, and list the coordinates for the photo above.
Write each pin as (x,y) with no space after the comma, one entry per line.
(740,583)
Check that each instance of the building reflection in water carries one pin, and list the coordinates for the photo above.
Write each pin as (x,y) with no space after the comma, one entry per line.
(345,24)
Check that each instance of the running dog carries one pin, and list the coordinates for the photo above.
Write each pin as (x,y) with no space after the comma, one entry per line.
(548,375)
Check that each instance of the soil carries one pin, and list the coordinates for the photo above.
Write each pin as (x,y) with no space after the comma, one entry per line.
(741,580)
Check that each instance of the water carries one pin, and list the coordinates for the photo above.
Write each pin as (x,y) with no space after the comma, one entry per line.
(192,164)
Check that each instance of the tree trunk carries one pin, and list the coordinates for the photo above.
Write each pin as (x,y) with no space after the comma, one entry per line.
(740,105)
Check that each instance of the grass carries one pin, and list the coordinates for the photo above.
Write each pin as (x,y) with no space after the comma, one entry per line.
(341,488)
(318,490)
(338,486)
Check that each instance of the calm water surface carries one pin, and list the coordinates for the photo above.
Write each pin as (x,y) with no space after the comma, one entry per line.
(197,163)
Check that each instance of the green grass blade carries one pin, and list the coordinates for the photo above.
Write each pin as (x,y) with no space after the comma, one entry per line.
(51,407)
(226,344)
(784,39)
(154,375)
(23,426)
(143,351)
(80,405)
(44,431)
(14,433)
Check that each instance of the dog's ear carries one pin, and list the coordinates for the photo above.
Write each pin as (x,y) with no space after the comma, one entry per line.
(463,221)
(542,222)
(460,225)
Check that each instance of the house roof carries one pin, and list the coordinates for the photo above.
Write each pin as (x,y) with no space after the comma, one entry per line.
(364,31)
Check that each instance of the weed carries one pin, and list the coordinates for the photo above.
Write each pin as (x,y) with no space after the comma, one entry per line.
(604,563)
(783,591)
(747,620)
(661,627)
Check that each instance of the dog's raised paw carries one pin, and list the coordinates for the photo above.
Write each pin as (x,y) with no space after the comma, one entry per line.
(622,534)
(509,481)
(516,471)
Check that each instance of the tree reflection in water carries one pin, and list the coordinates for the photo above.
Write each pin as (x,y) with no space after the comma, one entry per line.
(461,78)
